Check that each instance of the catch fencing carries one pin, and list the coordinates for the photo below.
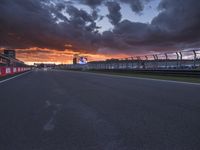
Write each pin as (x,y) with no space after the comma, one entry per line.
(183,60)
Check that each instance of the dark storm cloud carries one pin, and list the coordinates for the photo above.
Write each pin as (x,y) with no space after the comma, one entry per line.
(22,22)
(127,35)
(77,14)
(180,19)
(31,23)
(136,5)
(176,26)
(114,12)
(91,3)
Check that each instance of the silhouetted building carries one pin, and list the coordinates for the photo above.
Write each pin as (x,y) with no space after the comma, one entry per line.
(8,58)
(10,54)
(75,59)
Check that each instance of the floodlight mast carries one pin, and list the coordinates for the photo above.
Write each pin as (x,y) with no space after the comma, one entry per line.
(195,57)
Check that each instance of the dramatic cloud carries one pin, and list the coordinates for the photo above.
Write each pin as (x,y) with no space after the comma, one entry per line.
(34,24)
(60,25)
(136,5)
(114,10)
(92,3)
(179,20)
(176,26)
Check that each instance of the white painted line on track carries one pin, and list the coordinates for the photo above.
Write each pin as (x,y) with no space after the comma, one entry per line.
(2,81)
(138,78)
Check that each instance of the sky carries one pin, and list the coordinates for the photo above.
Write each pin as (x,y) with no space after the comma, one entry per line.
(55,30)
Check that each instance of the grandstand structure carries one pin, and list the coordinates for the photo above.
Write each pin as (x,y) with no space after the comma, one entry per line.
(10,61)
(10,66)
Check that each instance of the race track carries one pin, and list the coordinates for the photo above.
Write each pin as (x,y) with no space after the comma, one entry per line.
(65,110)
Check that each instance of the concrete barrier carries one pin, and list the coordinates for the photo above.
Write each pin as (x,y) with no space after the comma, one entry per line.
(4,71)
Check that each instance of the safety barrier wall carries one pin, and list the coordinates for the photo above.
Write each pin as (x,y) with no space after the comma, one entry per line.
(142,64)
(186,69)
(4,71)
(137,64)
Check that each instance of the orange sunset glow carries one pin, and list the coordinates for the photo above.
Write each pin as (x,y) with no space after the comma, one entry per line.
(38,55)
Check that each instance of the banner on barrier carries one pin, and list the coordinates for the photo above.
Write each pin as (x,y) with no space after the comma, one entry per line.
(8,70)
(12,70)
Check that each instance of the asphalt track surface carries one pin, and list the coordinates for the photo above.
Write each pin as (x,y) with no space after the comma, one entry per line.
(60,110)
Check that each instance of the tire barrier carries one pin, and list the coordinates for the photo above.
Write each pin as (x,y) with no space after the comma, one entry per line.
(4,71)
